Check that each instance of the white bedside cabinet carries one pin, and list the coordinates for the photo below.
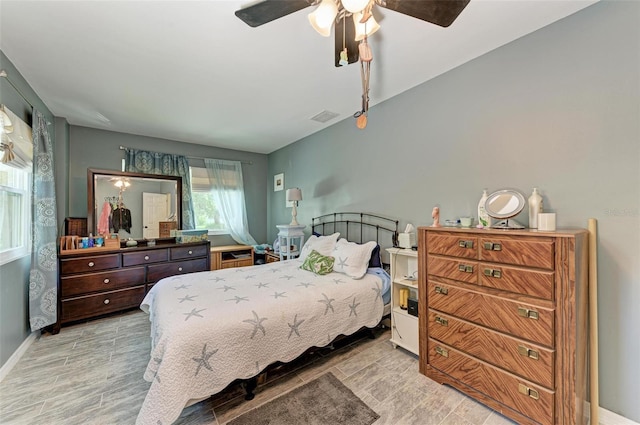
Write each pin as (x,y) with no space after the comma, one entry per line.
(404,276)
(291,240)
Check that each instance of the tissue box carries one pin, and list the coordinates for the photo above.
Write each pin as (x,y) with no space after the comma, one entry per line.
(187,236)
(406,240)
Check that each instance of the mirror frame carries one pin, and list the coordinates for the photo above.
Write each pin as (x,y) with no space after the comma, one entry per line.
(93,172)
(512,213)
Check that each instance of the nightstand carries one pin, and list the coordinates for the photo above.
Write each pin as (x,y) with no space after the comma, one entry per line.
(404,319)
(290,239)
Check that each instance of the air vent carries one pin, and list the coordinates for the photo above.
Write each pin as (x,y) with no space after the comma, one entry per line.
(324,116)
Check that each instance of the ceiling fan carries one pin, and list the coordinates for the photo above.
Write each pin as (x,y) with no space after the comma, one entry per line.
(438,12)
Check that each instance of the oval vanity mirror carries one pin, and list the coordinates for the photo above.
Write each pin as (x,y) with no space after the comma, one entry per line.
(503,205)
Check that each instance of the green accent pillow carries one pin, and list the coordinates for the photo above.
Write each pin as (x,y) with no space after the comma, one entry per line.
(318,263)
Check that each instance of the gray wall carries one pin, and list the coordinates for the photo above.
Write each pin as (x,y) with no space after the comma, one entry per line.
(14,276)
(92,148)
(558,109)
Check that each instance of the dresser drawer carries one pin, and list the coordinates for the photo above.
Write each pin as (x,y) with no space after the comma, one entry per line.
(85,283)
(451,268)
(518,280)
(105,302)
(462,245)
(532,362)
(144,257)
(525,397)
(159,271)
(538,252)
(525,321)
(89,263)
(184,252)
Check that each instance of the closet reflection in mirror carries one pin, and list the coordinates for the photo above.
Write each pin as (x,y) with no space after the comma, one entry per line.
(133,205)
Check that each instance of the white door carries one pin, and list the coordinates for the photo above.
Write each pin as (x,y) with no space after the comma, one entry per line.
(155,208)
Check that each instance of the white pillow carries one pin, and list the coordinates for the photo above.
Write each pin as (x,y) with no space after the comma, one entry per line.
(323,244)
(352,259)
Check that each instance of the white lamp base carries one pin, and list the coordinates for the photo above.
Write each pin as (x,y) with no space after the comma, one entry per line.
(294,214)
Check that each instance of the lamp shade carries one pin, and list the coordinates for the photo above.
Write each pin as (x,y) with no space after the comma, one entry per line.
(322,18)
(354,6)
(367,28)
(294,194)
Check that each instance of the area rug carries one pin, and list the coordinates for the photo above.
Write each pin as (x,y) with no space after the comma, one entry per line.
(325,400)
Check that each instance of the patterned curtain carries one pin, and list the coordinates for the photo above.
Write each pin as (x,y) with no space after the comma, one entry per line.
(43,278)
(138,161)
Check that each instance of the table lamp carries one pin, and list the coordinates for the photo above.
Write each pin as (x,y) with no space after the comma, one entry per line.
(294,195)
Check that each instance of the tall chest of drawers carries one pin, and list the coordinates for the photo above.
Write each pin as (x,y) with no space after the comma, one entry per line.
(503,318)
(99,281)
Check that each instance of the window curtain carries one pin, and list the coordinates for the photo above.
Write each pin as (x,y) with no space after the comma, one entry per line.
(228,194)
(43,278)
(139,161)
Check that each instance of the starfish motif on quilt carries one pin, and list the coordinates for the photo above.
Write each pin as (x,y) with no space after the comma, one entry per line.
(204,360)
(193,312)
(378,291)
(295,326)
(327,302)
(275,270)
(288,277)
(305,284)
(342,263)
(338,281)
(187,298)
(237,299)
(183,286)
(262,285)
(217,279)
(257,324)
(251,276)
(353,307)
(277,295)
(227,288)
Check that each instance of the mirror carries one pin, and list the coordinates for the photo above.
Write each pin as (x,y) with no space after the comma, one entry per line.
(139,204)
(505,204)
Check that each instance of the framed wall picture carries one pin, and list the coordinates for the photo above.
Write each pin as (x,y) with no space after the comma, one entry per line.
(278,182)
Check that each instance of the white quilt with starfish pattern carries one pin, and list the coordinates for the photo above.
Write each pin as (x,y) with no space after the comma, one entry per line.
(211,328)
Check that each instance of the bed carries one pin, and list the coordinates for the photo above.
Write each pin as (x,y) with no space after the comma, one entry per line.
(209,329)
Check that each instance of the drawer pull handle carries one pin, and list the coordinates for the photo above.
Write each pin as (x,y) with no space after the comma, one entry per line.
(492,246)
(493,273)
(528,391)
(190,252)
(106,280)
(530,314)
(146,257)
(528,352)
(441,321)
(464,268)
(106,301)
(91,264)
(442,352)
(441,290)
(465,244)
(179,269)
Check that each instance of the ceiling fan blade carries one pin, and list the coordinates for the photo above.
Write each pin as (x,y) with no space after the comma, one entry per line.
(269,10)
(347,34)
(439,12)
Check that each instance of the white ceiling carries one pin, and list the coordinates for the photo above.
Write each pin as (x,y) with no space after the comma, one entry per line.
(191,71)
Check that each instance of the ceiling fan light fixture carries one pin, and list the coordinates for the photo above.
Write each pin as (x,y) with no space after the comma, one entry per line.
(322,18)
(364,29)
(355,6)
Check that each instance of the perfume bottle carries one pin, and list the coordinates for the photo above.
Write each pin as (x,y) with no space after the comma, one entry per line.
(535,207)
(483,218)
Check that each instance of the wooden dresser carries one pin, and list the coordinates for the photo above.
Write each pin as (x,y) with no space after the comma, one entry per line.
(503,318)
(97,281)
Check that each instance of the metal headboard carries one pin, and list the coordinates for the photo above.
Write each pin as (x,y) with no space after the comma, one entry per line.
(360,223)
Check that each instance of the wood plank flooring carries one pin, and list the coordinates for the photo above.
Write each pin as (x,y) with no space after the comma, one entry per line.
(91,373)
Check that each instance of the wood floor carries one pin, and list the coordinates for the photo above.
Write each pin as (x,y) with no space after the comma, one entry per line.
(91,373)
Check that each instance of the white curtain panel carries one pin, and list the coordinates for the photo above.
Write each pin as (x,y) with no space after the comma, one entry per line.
(228,194)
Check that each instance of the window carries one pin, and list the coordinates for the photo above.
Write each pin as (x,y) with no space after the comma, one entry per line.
(15,213)
(206,212)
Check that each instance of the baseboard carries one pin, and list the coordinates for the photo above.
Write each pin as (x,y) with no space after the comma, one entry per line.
(607,417)
(15,357)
